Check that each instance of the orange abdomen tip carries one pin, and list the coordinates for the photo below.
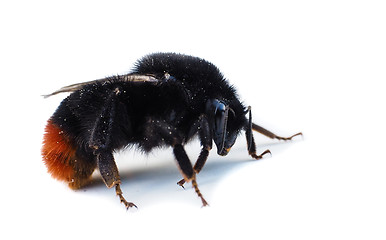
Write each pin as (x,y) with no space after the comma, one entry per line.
(58,153)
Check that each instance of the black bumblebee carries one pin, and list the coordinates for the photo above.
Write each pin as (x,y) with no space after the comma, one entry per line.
(165,101)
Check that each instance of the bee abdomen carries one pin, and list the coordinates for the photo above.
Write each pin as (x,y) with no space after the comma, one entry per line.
(58,153)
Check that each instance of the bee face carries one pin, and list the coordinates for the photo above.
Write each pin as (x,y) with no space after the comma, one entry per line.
(227,144)
(224,125)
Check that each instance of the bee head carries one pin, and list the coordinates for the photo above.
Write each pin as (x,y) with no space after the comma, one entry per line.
(222,120)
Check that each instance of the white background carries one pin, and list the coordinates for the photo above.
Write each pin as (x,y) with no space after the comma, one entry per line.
(310,66)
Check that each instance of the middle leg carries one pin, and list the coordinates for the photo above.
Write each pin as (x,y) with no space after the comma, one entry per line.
(187,170)
(205,136)
(171,136)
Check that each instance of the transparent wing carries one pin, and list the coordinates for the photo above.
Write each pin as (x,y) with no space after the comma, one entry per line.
(122,78)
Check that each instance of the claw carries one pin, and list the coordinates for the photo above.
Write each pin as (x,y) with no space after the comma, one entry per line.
(122,199)
(129,205)
(204,202)
(289,138)
(257,157)
(181,183)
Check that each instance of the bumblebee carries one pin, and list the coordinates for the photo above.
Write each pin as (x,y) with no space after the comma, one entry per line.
(167,100)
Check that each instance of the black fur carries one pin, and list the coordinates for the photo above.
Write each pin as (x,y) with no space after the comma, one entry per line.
(141,110)
(190,97)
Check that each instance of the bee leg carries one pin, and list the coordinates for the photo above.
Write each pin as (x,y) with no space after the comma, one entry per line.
(252,147)
(110,175)
(198,165)
(251,141)
(206,143)
(100,143)
(269,134)
(187,170)
(123,200)
(171,136)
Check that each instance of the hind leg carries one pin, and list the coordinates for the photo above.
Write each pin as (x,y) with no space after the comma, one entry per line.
(100,143)
(110,175)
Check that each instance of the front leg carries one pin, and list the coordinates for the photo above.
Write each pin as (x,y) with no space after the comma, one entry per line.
(252,147)
(270,134)
(251,141)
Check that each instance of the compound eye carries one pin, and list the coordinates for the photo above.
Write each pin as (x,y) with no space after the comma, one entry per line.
(219,112)
(220,118)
